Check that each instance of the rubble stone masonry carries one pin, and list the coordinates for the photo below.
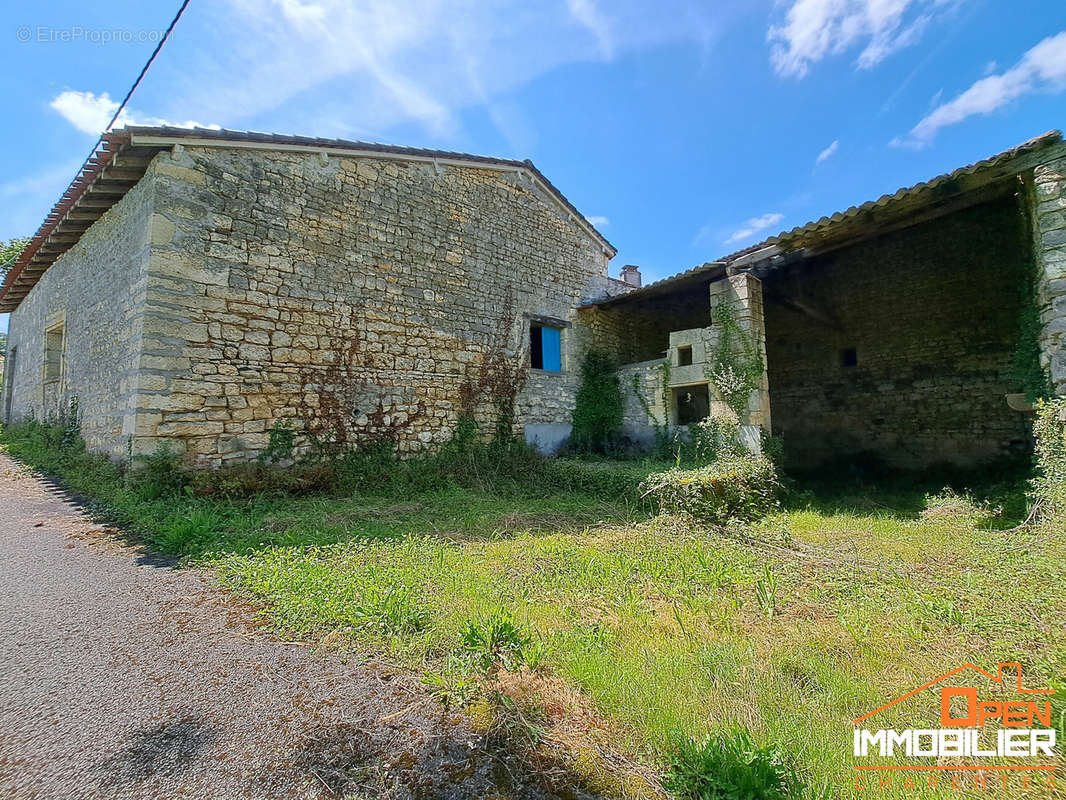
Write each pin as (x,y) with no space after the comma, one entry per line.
(1048,204)
(96,292)
(901,347)
(357,298)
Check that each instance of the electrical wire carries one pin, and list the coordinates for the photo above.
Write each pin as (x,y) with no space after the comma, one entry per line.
(122,105)
(136,83)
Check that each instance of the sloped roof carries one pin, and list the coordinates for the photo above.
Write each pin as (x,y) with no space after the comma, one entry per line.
(857,220)
(124,155)
(942,187)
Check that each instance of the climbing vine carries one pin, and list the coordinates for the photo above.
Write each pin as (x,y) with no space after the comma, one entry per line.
(496,378)
(1026,371)
(598,405)
(735,368)
(1049,485)
(1027,374)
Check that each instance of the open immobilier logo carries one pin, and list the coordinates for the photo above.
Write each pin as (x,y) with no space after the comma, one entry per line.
(974,730)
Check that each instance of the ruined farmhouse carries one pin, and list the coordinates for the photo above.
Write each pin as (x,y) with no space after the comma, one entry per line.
(196,287)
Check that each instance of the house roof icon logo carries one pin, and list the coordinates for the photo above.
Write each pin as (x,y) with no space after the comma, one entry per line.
(1003,672)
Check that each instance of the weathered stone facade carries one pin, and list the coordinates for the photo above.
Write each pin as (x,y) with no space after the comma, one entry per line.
(362,292)
(1048,212)
(360,298)
(96,292)
(357,298)
(930,316)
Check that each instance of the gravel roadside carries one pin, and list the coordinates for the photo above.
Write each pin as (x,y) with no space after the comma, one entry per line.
(122,677)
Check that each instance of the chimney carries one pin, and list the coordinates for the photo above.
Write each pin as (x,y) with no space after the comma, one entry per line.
(631,275)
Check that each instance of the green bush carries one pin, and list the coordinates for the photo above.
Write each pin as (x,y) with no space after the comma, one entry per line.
(158,473)
(737,489)
(186,531)
(609,479)
(598,406)
(1049,485)
(711,439)
(500,465)
(731,767)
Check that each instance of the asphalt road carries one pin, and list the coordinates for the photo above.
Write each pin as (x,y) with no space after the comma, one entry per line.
(124,677)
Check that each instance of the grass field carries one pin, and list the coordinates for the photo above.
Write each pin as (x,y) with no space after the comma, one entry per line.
(601,634)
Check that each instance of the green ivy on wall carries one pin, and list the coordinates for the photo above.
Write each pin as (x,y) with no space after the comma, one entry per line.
(735,367)
(598,406)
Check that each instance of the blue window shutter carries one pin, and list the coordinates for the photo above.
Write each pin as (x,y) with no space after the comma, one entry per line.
(553,360)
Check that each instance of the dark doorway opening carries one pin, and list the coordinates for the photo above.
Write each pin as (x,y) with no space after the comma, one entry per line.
(692,403)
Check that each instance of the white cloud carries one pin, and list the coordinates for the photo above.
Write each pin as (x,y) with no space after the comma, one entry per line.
(814,29)
(1042,68)
(338,68)
(588,15)
(84,110)
(828,152)
(599,222)
(753,226)
(90,113)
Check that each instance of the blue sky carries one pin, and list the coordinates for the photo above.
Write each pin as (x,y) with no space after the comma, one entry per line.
(683,130)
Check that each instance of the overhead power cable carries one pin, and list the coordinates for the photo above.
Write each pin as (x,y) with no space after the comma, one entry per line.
(122,105)
(136,83)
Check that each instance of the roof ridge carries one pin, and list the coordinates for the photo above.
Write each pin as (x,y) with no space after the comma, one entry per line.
(224,134)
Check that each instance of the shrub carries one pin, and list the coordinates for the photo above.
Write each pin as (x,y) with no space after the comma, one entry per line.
(158,473)
(947,504)
(598,406)
(730,767)
(495,640)
(730,490)
(608,479)
(713,438)
(254,477)
(1049,486)
(773,447)
(187,531)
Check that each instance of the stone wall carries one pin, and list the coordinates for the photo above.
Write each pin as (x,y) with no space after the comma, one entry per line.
(360,298)
(640,331)
(743,293)
(1048,213)
(96,290)
(931,316)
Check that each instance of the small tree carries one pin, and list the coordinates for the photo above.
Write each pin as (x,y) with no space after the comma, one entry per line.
(9,251)
(598,407)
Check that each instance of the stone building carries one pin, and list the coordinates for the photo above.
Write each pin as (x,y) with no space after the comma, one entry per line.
(196,287)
